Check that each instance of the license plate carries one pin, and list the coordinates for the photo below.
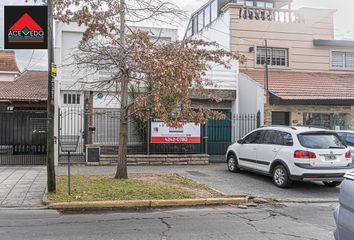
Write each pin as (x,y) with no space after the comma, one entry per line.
(330,157)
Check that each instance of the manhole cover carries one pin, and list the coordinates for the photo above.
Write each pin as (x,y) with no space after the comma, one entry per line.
(197,173)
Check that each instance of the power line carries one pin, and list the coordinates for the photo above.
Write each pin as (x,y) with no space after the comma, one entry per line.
(30,61)
(39,61)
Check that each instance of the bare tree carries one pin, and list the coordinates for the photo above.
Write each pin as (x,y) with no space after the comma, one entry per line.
(131,58)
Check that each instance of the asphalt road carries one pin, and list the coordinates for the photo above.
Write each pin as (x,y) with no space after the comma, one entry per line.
(245,183)
(295,221)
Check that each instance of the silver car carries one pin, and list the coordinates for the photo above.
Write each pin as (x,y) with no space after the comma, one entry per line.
(344,213)
(347,137)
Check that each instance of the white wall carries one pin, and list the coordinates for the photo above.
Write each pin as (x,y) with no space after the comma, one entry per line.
(107,101)
(67,39)
(218,31)
(8,76)
(251,96)
(159,34)
(223,78)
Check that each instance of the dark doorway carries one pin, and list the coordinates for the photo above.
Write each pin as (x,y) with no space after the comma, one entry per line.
(281,118)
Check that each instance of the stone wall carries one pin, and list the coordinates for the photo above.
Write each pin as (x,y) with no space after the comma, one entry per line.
(296,112)
(166,159)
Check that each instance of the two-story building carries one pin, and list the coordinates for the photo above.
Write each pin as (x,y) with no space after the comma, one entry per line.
(83,109)
(310,73)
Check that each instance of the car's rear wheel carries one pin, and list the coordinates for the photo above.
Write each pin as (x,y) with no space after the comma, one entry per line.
(232,164)
(332,183)
(281,177)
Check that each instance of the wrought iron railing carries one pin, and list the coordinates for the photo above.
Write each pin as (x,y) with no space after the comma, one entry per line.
(215,136)
(270,14)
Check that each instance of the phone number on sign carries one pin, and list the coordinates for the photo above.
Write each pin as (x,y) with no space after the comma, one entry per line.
(175,140)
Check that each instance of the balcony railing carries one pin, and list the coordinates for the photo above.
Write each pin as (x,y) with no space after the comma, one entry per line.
(270,14)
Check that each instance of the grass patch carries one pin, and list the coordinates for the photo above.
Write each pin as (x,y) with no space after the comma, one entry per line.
(137,187)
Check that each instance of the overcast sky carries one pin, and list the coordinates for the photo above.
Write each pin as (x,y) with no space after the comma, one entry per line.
(344,26)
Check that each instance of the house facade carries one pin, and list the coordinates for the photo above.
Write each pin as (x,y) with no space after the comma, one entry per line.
(83,109)
(23,114)
(93,114)
(309,71)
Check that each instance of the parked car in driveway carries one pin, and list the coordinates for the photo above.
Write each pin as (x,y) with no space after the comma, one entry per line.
(344,213)
(292,154)
(347,138)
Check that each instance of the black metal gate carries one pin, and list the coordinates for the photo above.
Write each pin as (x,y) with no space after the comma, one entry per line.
(23,137)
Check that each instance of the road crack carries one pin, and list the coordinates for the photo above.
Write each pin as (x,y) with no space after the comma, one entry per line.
(250,222)
(163,235)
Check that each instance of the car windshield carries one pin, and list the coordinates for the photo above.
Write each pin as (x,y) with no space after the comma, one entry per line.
(320,141)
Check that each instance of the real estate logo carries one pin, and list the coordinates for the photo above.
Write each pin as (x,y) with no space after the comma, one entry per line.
(26,27)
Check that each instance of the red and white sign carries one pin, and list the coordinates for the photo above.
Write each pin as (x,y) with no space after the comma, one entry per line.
(183,133)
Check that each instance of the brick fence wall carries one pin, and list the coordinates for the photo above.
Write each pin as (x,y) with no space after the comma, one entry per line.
(163,159)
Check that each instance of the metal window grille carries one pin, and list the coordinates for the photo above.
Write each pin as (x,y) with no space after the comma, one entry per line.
(343,59)
(338,59)
(349,60)
(276,56)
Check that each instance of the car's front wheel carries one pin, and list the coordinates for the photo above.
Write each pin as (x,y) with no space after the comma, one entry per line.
(281,177)
(332,183)
(232,164)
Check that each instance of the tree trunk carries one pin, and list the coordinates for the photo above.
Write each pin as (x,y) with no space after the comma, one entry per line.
(123,131)
(122,172)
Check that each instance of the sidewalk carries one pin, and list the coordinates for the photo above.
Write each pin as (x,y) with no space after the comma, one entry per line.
(22,186)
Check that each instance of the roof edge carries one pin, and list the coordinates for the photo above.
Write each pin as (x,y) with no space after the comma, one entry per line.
(333,43)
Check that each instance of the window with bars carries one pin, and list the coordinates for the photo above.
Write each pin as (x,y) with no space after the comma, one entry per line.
(276,56)
(343,59)
(72,99)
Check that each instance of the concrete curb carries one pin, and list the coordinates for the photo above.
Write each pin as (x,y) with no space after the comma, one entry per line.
(141,204)
(334,200)
(45,200)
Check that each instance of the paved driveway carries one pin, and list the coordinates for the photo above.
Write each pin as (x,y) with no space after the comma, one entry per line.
(218,177)
(22,186)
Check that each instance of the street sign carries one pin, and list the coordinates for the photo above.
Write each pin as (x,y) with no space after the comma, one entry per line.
(26,27)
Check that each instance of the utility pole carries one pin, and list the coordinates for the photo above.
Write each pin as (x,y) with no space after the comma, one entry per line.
(266,84)
(51,185)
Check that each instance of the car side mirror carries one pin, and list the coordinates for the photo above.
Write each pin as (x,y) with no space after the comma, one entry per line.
(240,141)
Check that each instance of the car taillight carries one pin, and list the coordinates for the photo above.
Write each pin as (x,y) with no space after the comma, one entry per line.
(348,154)
(304,154)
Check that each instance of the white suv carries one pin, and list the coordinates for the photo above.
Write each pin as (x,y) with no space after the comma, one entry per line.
(292,154)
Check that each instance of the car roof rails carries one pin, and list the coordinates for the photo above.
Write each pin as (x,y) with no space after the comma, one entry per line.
(284,126)
(313,126)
